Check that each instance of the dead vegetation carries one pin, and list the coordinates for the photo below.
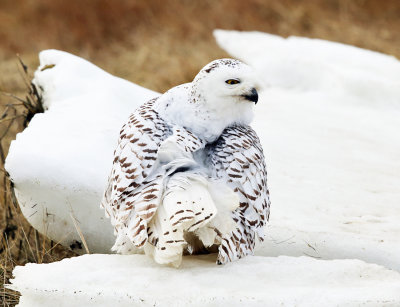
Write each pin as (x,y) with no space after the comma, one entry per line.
(157,44)
(20,243)
(139,40)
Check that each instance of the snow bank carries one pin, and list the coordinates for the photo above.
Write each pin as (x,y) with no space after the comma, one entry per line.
(312,65)
(61,162)
(329,121)
(116,280)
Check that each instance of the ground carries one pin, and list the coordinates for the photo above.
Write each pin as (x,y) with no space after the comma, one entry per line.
(156,46)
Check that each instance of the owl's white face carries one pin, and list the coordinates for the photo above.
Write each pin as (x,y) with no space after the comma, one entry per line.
(223,93)
(228,89)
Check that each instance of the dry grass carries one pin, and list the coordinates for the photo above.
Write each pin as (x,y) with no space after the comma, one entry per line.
(20,243)
(157,44)
(139,40)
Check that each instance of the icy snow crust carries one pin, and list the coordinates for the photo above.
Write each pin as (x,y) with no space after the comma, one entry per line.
(328,120)
(116,280)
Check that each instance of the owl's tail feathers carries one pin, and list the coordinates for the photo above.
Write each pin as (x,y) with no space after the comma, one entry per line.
(165,242)
(187,206)
(191,204)
(226,201)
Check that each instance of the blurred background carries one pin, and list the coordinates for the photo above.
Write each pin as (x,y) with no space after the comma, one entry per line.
(157,44)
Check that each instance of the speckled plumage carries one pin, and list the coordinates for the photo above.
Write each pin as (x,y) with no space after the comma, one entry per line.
(189,173)
(237,157)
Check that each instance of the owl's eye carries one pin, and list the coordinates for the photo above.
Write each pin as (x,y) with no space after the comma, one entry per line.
(232,81)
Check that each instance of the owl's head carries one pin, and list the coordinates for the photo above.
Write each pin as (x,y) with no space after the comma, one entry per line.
(227,87)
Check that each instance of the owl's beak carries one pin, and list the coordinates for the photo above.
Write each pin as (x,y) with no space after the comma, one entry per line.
(252,95)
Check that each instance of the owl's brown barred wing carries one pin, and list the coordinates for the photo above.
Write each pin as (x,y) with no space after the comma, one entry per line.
(237,157)
(148,152)
(135,185)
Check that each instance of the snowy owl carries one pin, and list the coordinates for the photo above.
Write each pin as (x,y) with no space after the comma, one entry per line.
(189,174)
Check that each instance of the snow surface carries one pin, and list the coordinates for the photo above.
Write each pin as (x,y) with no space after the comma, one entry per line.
(61,162)
(328,120)
(116,280)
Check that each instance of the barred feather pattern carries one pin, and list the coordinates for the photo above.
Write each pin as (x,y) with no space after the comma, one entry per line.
(134,187)
(138,176)
(238,158)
